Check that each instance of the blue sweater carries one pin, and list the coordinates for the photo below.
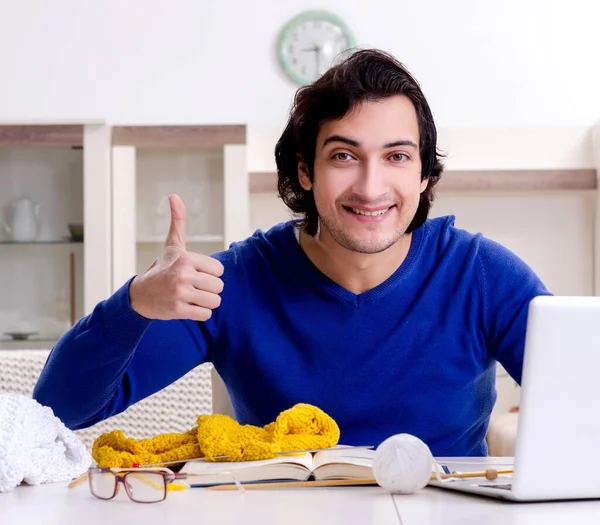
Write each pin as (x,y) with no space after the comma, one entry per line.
(416,354)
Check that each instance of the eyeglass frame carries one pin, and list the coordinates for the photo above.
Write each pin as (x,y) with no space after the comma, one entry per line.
(168,476)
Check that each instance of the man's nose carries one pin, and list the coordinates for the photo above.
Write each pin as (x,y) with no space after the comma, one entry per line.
(371,183)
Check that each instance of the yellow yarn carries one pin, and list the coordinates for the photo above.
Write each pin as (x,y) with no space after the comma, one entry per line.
(300,427)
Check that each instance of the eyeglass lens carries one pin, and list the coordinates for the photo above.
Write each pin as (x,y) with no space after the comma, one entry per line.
(143,487)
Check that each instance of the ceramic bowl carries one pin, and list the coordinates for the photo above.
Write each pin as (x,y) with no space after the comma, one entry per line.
(20,336)
(76,231)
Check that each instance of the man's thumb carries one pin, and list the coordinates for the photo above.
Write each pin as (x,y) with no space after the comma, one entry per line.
(176,235)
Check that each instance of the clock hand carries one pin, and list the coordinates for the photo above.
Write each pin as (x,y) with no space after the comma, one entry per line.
(317,52)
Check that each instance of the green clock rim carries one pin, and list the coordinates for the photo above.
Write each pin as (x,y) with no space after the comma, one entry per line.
(319,14)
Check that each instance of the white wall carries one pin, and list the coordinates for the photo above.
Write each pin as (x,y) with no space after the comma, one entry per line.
(481,63)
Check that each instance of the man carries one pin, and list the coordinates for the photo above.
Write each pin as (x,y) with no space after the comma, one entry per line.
(389,321)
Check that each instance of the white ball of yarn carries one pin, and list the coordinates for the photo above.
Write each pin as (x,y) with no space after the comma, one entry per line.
(403,464)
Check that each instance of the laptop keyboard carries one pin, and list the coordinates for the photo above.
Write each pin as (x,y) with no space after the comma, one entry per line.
(503,486)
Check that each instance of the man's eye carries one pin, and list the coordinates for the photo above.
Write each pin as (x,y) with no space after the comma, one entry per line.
(342,156)
(399,157)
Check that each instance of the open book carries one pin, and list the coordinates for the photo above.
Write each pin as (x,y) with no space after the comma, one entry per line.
(340,463)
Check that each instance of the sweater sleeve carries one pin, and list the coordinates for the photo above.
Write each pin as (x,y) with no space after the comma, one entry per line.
(508,285)
(114,357)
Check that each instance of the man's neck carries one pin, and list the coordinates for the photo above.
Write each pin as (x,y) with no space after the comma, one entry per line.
(356,272)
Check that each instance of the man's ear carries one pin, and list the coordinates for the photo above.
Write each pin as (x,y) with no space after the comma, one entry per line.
(424,184)
(303,175)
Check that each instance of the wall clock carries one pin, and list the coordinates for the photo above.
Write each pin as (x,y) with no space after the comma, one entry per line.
(309,43)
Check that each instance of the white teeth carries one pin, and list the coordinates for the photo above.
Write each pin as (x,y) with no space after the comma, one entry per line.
(369,213)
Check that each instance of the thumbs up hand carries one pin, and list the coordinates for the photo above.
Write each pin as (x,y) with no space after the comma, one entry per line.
(179,284)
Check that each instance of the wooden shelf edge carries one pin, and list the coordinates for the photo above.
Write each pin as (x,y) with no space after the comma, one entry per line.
(200,239)
(518,180)
(49,242)
(51,135)
(179,136)
(476,180)
(263,181)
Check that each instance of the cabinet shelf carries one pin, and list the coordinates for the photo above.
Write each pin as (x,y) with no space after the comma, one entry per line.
(205,165)
(28,344)
(481,180)
(4,339)
(42,242)
(159,239)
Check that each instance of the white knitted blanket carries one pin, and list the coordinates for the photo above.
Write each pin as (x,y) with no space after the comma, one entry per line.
(35,446)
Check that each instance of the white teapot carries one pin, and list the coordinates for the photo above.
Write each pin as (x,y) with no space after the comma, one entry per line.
(25,224)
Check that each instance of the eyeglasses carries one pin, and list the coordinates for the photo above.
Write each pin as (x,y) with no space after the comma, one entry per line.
(141,485)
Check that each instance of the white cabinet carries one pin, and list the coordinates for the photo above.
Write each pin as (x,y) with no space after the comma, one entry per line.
(114,181)
(204,165)
(51,279)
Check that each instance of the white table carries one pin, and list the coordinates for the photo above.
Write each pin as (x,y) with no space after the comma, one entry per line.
(54,504)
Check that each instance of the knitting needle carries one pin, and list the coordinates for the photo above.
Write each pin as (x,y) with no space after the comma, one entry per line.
(281,453)
(297,484)
(78,481)
(81,478)
(490,474)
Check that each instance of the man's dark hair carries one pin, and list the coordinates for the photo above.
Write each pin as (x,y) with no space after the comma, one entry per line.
(365,75)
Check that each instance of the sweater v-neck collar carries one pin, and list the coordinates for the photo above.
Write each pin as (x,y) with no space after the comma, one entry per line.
(306,268)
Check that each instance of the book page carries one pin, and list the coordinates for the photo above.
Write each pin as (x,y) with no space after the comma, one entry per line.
(295,467)
(351,456)
(343,464)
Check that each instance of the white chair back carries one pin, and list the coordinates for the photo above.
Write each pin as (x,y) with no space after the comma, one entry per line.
(221,402)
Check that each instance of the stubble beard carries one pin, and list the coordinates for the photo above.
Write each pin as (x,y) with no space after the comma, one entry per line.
(362,246)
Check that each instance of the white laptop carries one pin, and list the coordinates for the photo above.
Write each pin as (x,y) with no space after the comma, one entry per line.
(557,451)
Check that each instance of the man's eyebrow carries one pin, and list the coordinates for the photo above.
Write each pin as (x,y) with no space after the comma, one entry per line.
(356,144)
(400,143)
(340,138)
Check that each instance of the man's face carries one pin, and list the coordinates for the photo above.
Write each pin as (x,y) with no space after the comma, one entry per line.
(367,175)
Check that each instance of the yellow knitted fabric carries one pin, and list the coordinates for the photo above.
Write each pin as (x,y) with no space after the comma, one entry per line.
(300,427)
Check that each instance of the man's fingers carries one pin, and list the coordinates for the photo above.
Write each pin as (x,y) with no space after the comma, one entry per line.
(176,235)
(206,264)
(203,299)
(195,313)
(207,282)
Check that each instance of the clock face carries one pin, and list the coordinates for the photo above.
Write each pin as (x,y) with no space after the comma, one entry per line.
(309,44)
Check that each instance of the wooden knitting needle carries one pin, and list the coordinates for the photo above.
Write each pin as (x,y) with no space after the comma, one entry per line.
(84,476)
(78,481)
(490,474)
(297,484)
